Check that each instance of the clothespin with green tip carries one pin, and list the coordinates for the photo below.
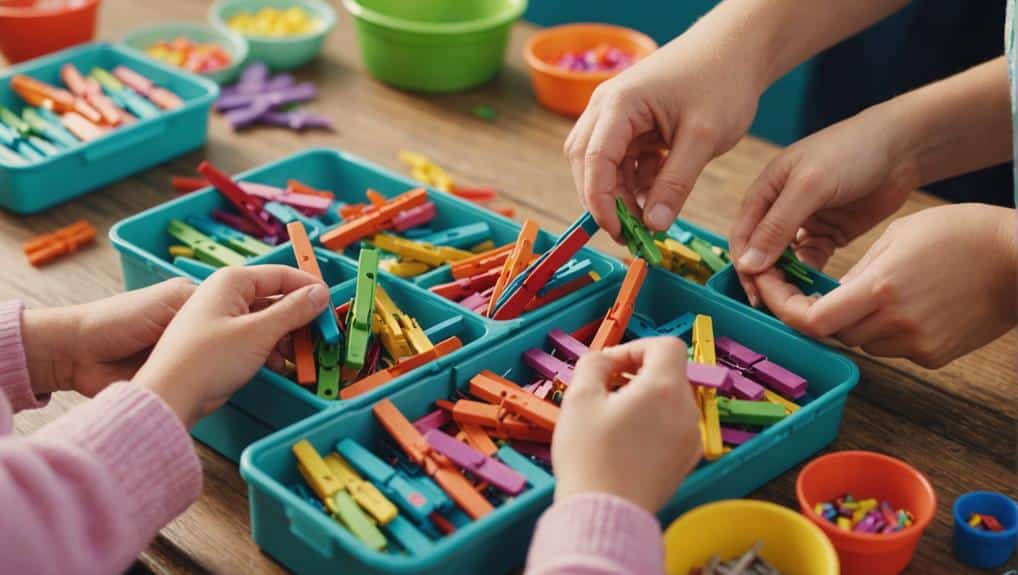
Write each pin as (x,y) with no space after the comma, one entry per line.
(124,96)
(205,249)
(361,310)
(639,239)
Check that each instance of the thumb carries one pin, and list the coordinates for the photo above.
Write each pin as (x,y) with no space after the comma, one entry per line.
(675,181)
(291,312)
(590,378)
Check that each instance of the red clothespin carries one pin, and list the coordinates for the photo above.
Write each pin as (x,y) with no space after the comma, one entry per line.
(159,96)
(406,365)
(186,185)
(43,249)
(482,262)
(586,332)
(559,292)
(249,206)
(614,325)
(436,465)
(296,187)
(488,386)
(304,356)
(476,195)
(459,289)
(507,212)
(371,223)
(516,262)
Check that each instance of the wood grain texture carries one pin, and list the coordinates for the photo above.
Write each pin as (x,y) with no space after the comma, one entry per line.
(957,424)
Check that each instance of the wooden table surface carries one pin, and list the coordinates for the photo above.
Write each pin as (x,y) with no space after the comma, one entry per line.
(957,424)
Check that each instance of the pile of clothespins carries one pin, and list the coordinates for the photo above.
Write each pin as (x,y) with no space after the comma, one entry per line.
(56,118)
(749,563)
(260,98)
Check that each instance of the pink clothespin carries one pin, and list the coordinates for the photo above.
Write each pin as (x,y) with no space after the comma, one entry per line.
(416,216)
(163,98)
(713,376)
(274,194)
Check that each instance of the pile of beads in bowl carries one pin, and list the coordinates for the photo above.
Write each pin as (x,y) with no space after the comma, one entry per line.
(293,21)
(603,58)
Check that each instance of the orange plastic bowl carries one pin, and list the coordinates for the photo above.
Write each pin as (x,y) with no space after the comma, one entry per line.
(865,474)
(568,91)
(29,29)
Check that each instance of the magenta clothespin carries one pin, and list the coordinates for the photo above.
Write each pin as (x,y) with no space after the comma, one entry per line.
(416,216)
(535,450)
(433,420)
(735,353)
(567,346)
(301,201)
(733,436)
(241,224)
(548,366)
(491,470)
(744,388)
(778,379)
(296,120)
(714,376)
(472,301)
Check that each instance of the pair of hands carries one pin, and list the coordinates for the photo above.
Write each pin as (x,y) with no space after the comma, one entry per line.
(194,346)
(648,133)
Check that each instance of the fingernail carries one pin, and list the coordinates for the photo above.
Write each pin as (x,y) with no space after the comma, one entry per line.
(660,217)
(318,295)
(753,259)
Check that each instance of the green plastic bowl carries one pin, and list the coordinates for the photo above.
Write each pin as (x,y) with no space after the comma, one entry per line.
(140,39)
(279,53)
(434,45)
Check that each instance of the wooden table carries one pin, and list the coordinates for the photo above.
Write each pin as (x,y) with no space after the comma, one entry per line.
(957,424)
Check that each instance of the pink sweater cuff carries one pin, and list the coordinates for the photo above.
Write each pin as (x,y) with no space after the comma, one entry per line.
(600,532)
(14,381)
(145,448)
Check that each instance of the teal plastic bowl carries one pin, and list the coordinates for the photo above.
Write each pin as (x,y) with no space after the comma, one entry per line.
(279,53)
(231,42)
(434,45)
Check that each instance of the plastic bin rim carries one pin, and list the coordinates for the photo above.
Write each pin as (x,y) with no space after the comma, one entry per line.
(210,88)
(959,520)
(513,10)
(324,10)
(34,12)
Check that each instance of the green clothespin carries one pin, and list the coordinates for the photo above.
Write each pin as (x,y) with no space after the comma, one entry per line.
(706,252)
(359,317)
(43,127)
(204,248)
(328,370)
(14,122)
(356,521)
(791,265)
(638,238)
(749,412)
(123,96)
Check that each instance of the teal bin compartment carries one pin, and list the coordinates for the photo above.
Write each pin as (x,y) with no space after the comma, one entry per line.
(308,542)
(85,167)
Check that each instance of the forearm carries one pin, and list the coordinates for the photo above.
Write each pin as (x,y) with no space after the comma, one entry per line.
(954,126)
(778,35)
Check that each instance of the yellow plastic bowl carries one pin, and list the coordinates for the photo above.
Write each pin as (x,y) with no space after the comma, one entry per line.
(791,543)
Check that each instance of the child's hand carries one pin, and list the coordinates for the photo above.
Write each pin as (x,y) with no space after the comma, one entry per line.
(86,347)
(638,443)
(822,192)
(218,340)
(651,130)
(937,285)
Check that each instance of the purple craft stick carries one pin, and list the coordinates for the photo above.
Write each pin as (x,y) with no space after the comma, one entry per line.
(547,365)
(288,95)
(744,388)
(247,115)
(778,379)
(255,73)
(433,420)
(296,120)
(491,470)
(415,216)
(570,348)
(735,353)
(733,436)
(282,196)
(274,83)
(535,450)
(709,376)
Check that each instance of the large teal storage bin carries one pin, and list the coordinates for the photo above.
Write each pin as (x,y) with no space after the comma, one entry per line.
(308,542)
(124,151)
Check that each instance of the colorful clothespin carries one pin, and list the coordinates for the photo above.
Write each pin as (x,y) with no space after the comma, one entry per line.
(613,327)
(359,321)
(404,269)
(81,127)
(52,130)
(548,366)
(390,327)
(482,262)
(43,249)
(570,348)
(393,486)
(703,340)
(742,412)
(328,369)
(704,354)
(124,97)
(250,207)
(707,255)
(492,388)
(744,388)
(304,356)
(160,96)
(419,251)
(231,238)
(536,476)
(90,91)
(372,223)
(306,261)
(414,217)
(499,422)
(459,289)
(297,187)
(460,236)
(475,436)
(297,120)
(205,249)
(778,379)
(516,262)
(364,492)
(734,353)
(14,141)
(313,204)
(435,465)
(571,271)
(789,406)
(528,282)
(404,366)
(491,470)
(638,238)
(43,95)
(713,376)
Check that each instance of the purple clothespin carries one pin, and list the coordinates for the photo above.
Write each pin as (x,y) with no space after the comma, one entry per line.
(415,216)
(277,82)
(778,379)
(570,348)
(744,388)
(433,420)
(548,366)
(735,353)
(296,120)
(241,224)
(733,436)
(713,376)
(288,95)
(491,470)
(535,450)
(301,201)
(248,115)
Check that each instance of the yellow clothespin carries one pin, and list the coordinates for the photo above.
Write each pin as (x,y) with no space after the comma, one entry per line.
(182,251)
(703,340)
(404,269)
(419,251)
(485,246)
(703,352)
(790,407)
(388,326)
(364,492)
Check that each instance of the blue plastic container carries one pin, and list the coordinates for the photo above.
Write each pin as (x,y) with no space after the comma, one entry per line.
(984,549)
(308,542)
(31,188)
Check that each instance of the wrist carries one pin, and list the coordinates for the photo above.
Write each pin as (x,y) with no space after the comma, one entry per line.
(49,336)
(566,489)
(169,389)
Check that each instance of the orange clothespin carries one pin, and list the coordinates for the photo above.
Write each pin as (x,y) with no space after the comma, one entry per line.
(494,389)
(82,129)
(498,421)
(614,325)
(475,436)
(376,198)
(352,211)
(304,356)
(41,94)
(297,187)
(371,223)
(47,247)
(436,465)
(406,365)
(517,261)
(459,289)
(487,261)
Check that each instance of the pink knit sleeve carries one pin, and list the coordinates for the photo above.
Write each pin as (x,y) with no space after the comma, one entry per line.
(596,534)
(14,382)
(86,493)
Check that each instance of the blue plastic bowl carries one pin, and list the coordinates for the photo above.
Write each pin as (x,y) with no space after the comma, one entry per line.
(984,549)
(284,52)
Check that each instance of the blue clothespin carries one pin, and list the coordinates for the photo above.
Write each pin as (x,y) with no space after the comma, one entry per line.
(287,214)
(396,487)
(681,326)
(13,140)
(304,493)
(418,233)
(124,96)
(460,236)
(573,270)
(44,126)
(409,537)
(536,476)
(641,326)
(679,234)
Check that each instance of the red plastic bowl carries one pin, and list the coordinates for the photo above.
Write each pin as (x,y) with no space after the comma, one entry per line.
(31,29)
(865,474)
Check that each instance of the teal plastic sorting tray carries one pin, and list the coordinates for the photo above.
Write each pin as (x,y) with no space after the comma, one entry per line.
(85,167)
(308,542)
